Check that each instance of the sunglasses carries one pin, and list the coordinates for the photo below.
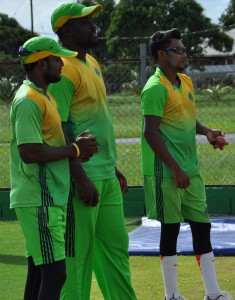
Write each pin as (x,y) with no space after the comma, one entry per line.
(177,50)
(24,52)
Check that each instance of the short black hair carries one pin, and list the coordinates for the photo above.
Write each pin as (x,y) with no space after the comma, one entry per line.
(161,40)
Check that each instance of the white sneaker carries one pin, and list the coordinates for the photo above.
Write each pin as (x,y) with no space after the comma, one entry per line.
(223,296)
(180,297)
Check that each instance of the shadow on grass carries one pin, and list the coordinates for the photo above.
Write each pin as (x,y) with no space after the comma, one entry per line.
(13,259)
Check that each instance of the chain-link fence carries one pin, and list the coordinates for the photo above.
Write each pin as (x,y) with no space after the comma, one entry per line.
(214,80)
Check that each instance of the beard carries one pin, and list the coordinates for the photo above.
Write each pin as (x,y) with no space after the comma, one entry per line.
(181,69)
(52,75)
(49,77)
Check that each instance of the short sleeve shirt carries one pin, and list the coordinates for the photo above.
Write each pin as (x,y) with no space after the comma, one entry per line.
(35,119)
(82,103)
(176,107)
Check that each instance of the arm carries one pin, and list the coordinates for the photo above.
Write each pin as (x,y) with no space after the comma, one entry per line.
(42,153)
(154,139)
(85,189)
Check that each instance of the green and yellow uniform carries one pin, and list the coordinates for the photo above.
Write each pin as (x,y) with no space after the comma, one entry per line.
(100,241)
(176,107)
(38,189)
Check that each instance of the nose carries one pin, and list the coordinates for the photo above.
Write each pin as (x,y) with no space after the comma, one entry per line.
(92,24)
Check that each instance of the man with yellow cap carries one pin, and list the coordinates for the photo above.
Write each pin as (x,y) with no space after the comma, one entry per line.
(40,177)
(96,234)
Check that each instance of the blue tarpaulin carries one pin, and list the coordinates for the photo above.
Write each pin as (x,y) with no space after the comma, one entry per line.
(144,240)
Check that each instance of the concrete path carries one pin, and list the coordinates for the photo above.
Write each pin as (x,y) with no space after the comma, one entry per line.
(201,139)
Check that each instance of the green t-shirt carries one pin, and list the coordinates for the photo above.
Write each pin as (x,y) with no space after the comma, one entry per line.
(35,119)
(176,107)
(82,103)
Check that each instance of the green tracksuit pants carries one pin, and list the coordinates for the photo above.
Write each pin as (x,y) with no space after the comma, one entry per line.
(100,245)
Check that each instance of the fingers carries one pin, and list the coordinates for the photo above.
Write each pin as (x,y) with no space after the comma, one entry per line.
(83,134)
(87,146)
(123,185)
(92,202)
(182,185)
(183,182)
(222,134)
(219,142)
(91,199)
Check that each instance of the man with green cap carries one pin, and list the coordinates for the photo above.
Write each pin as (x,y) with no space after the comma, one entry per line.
(39,169)
(97,235)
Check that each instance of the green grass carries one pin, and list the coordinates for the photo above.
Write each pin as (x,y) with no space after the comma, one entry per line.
(126,113)
(221,116)
(217,166)
(5,128)
(146,271)
(4,166)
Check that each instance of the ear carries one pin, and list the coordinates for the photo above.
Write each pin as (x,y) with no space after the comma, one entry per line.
(42,64)
(66,29)
(162,54)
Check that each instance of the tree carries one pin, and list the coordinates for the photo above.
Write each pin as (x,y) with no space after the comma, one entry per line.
(12,35)
(228,17)
(139,20)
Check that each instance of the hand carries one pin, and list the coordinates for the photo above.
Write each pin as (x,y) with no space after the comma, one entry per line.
(122,180)
(212,134)
(181,179)
(87,145)
(87,192)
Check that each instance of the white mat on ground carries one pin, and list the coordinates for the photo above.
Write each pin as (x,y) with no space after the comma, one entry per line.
(144,240)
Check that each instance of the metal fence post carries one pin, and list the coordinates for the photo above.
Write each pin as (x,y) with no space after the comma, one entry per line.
(143,77)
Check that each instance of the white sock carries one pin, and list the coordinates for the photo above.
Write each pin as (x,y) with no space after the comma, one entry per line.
(206,263)
(169,272)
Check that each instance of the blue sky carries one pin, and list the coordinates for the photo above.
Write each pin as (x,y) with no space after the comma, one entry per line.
(42,9)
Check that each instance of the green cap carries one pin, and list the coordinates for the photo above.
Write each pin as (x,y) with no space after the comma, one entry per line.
(72,10)
(40,47)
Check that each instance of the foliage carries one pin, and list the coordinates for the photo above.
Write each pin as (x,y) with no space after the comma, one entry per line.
(6,88)
(140,21)
(215,93)
(123,25)
(116,75)
(132,87)
(228,17)
(12,35)
(11,77)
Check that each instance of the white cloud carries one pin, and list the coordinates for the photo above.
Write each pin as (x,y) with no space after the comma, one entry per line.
(214,8)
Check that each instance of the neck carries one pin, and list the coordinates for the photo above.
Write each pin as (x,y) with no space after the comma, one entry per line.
(171,75)
(38,82)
